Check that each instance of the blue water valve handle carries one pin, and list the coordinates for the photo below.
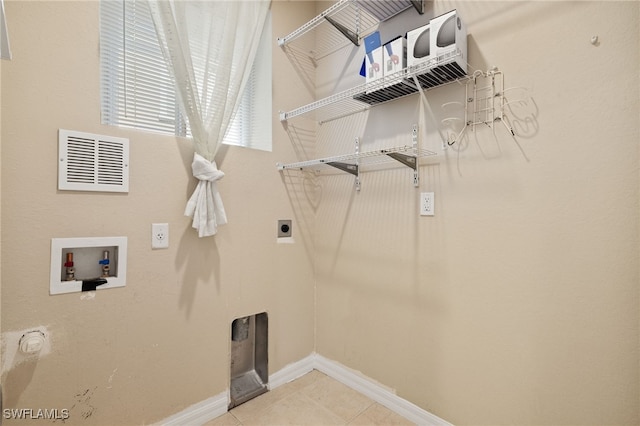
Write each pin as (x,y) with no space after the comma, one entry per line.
(103,262)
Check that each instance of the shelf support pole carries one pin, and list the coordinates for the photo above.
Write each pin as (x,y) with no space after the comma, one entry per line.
(416,149)
(429,112)
(357,151)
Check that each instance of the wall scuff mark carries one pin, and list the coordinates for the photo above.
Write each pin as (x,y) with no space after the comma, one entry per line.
(83,403)
(111,378)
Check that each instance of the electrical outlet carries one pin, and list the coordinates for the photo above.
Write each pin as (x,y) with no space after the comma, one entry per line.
(160,235)
(427,204)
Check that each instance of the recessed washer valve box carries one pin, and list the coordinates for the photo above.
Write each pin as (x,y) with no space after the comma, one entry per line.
(87,264)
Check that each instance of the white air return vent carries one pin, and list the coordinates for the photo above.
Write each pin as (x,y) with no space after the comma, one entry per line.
(91,162)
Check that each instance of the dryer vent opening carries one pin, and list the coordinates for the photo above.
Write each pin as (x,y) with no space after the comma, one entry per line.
(249,361)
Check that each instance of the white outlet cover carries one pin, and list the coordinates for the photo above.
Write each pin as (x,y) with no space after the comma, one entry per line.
(427,204)
(160,235)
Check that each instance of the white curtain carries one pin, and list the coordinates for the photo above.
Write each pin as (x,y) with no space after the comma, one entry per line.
(209,47)
(5,51)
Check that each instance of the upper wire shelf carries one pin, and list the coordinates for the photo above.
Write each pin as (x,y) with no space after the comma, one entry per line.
(346,21)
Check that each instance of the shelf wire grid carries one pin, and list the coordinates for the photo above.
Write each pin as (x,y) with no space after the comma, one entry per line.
(358,18)
(364,158)
(431,74)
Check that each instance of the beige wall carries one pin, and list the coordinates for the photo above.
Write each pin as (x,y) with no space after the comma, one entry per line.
(138,354)
(517,303)
(0,216)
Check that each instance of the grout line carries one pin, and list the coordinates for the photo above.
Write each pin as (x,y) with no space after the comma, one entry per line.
(361,412)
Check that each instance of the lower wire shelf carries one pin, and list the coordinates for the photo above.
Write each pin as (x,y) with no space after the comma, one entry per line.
(395,153)
(350,163)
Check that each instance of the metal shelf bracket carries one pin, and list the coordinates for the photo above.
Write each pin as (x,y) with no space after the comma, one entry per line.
(352,36)
(345,167)
(418,5)
(410,160)
(351,168)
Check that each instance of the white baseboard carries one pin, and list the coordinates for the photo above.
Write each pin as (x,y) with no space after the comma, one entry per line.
(379,394)
(216,406)
(292,371)
(200,413)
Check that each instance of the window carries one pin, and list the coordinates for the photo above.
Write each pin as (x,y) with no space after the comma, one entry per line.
(138,91)
(251,126)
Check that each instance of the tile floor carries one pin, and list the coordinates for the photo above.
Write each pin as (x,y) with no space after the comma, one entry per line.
(313,399)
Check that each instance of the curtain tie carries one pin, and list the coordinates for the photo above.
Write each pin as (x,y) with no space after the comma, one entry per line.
(204,169)
(205,205)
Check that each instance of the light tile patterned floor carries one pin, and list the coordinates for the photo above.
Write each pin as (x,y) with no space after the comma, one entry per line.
(313,399)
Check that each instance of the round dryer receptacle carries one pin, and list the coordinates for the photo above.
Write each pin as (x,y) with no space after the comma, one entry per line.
(32,342)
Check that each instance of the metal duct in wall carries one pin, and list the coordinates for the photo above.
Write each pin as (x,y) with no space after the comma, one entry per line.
(249,358)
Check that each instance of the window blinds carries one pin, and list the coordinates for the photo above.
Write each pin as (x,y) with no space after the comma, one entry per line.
(138,91)
(251,126)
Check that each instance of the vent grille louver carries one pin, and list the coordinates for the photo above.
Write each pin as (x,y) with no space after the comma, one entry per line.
(91,162)
(110,163)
